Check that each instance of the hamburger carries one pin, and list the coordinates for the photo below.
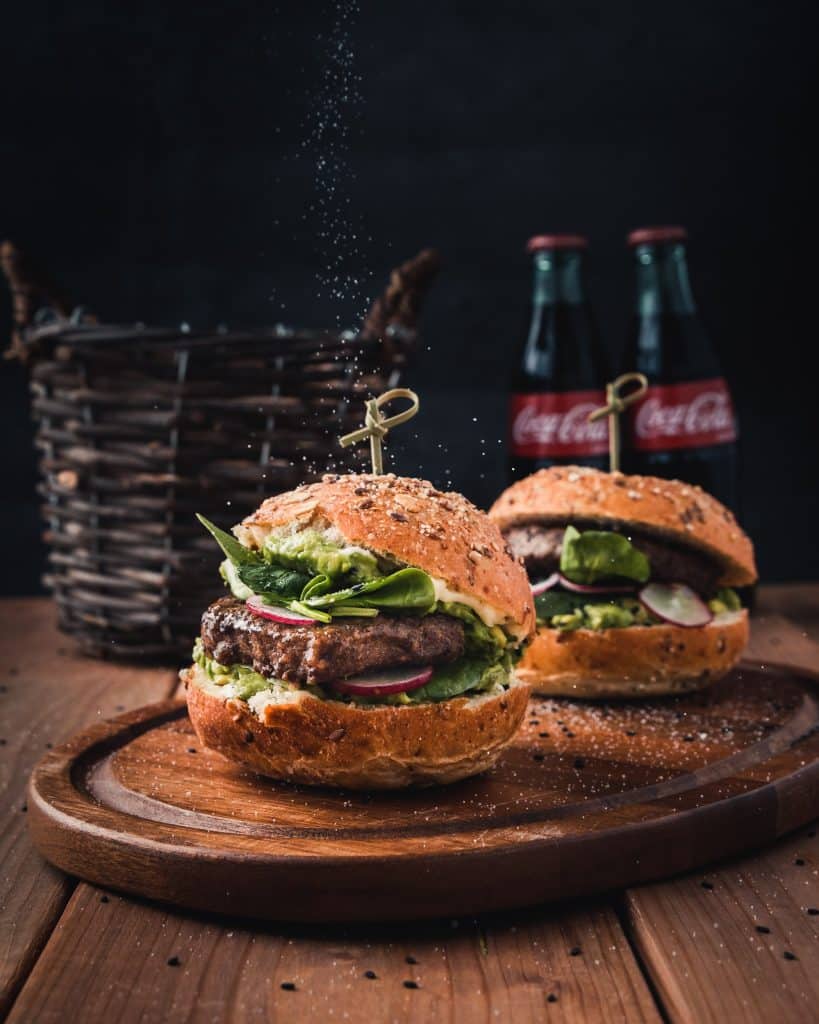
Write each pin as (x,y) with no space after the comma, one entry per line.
(633,579)
(368,639)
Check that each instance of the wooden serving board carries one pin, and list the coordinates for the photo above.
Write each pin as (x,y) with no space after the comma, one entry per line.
(589,798)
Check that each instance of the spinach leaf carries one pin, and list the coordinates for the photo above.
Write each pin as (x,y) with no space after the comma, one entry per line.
(311,613)
(317,585)
(352,611)
(408,589)
(236,552)
(460,677)
(600,554)
(265,578)
(277,584)
(558,602)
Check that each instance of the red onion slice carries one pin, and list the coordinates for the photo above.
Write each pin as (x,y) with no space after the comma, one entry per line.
(277,614)
(381,683)
(596,588)
(676,603)
(543,585)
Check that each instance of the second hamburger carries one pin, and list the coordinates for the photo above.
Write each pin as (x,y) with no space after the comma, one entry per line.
(633,579)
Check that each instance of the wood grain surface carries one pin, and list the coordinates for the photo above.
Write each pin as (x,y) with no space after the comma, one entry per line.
(127,961)
(776,640)
(738,942)
(589,798)
(110,959)
(796,603)
(47,691)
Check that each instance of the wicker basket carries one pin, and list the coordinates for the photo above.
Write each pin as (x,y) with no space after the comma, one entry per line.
(139,429)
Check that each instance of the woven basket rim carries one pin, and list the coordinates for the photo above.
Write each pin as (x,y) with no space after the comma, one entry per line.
(65,332)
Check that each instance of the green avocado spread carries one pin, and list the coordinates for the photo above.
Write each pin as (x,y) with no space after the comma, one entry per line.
(314,552)
(567,611)
(246,682)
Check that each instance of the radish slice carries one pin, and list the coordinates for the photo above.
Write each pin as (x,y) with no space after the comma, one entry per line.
(676,603)
(543,585)
(379,684)
(597,588)
(277,614)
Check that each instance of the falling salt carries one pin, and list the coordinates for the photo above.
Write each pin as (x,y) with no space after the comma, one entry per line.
(335,109)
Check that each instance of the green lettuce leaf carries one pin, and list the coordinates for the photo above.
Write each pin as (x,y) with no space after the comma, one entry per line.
(352,611)
(236,552)
(275,584)
(406,590)
(317,585)
(460,677)
(601,555)
(557,602)
(272,580)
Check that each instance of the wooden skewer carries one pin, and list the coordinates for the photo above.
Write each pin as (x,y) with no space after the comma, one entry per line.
(376,427)
(617,403)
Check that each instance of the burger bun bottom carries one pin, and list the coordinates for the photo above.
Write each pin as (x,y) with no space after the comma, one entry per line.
(635,661)
(302,739)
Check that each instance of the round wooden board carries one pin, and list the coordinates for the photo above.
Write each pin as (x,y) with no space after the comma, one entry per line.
(589,798)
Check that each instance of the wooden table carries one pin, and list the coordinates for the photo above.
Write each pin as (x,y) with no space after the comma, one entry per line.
(739,942)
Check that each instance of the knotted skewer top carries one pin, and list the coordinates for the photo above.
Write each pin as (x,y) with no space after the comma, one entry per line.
(376,426)
(617,403)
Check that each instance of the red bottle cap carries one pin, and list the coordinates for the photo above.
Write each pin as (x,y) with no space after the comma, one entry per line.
(538,242)
(671,233)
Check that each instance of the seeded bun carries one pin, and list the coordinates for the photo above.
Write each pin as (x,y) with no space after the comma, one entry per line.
(327,742)
(409,521)
(670,510)
(638,661)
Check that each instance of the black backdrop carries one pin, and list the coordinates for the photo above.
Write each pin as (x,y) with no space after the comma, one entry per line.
(163,163)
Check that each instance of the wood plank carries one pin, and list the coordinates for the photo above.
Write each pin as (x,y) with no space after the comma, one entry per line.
(48,690)
(700,941)
(114,961)
(798,602)
(628,794)
(775,640)
(228,990)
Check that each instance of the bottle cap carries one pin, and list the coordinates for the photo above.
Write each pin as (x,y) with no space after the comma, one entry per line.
(642,236)
(538,242)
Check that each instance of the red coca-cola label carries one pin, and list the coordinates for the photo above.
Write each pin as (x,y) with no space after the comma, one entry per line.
(556,424)
(696,414)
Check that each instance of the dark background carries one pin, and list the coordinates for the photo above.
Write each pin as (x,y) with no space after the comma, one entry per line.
(162,162)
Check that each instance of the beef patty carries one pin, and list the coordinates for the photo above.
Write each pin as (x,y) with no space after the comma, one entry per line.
(232,635)
(540,547)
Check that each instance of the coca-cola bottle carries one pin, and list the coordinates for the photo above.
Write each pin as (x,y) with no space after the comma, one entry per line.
(561,369)
(685,426)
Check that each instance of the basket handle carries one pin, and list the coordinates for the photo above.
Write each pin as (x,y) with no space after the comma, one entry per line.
(399,304)
(31,290)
